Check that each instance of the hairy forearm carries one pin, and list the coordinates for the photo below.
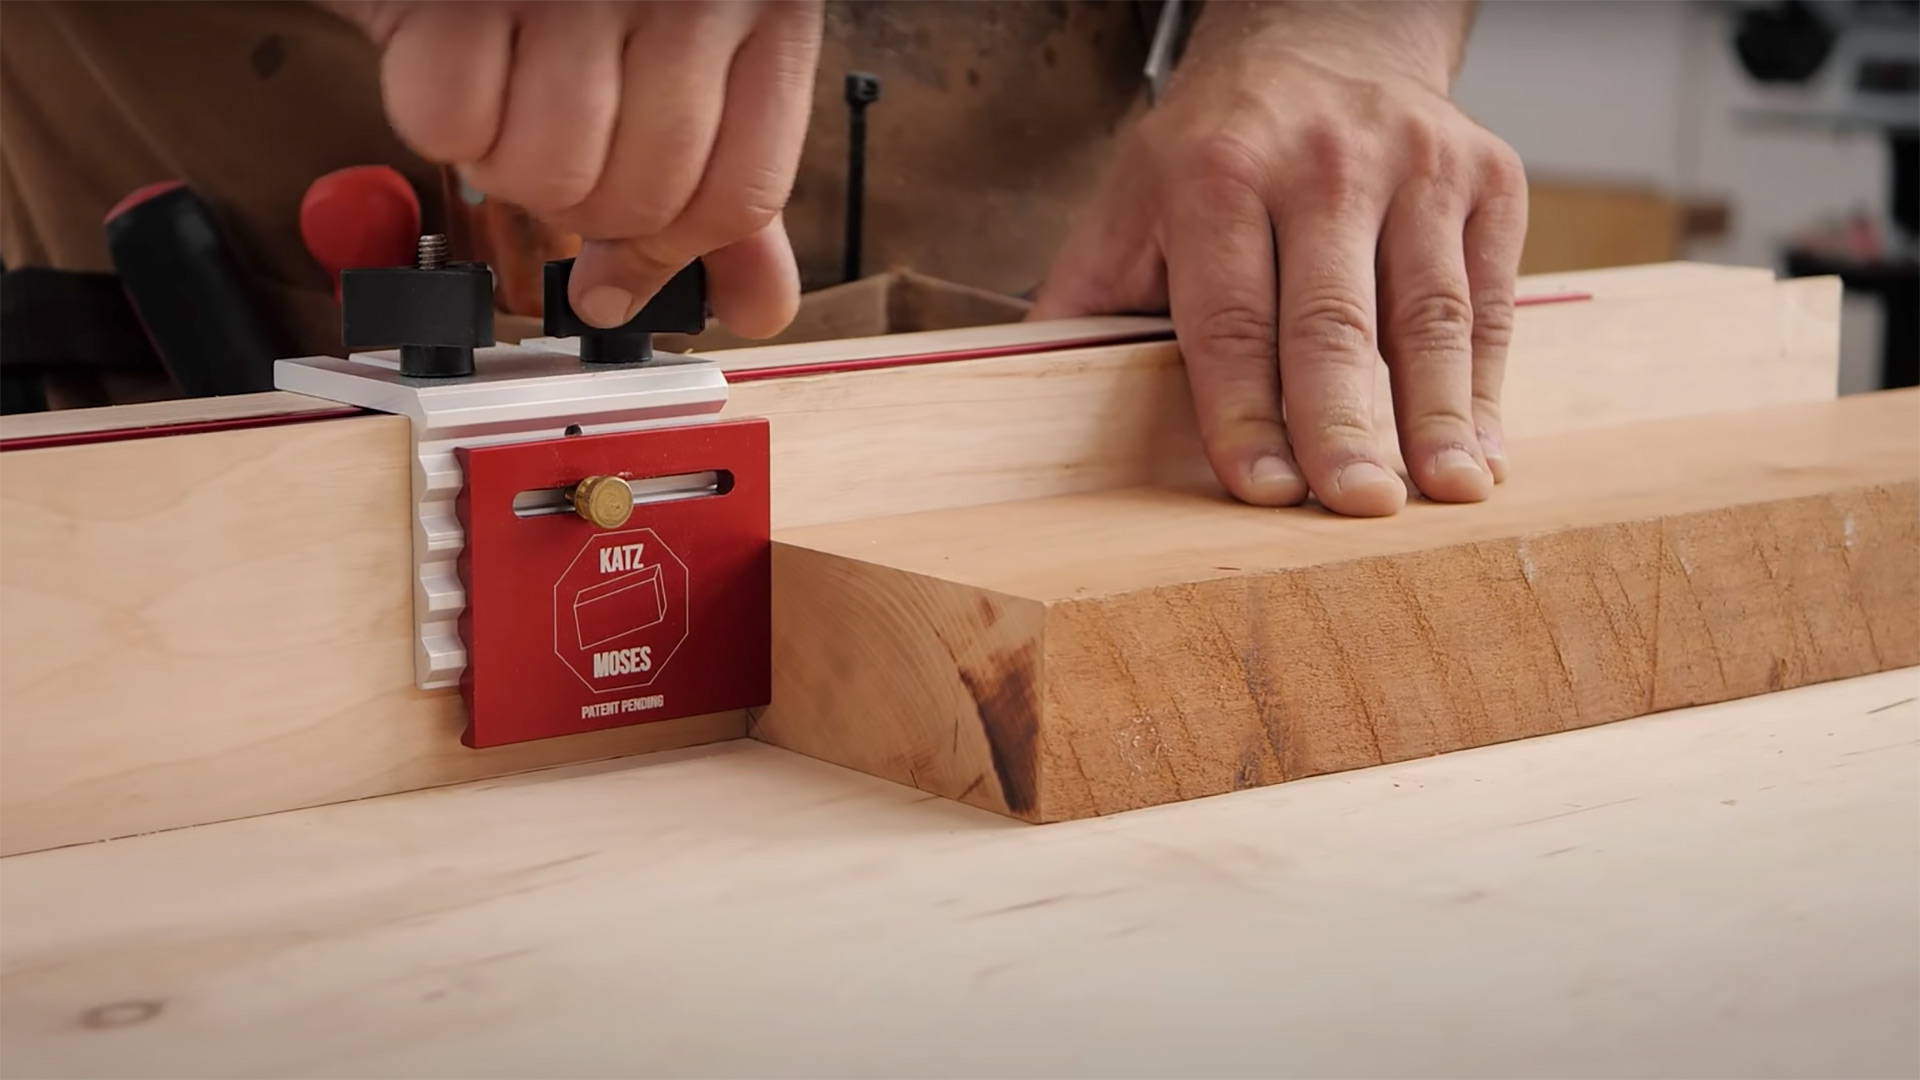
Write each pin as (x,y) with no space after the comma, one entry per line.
(1420,39)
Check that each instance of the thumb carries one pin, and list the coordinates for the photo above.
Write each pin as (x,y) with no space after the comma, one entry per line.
(753,284)
(613,279)
(1102,275)
(1110,265)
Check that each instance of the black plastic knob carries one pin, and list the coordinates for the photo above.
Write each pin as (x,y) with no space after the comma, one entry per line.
(436,316)
(680,307)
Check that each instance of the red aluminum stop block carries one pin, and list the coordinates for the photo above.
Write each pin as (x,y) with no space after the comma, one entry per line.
(570,627)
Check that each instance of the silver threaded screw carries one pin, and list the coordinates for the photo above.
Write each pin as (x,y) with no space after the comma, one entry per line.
(433,251)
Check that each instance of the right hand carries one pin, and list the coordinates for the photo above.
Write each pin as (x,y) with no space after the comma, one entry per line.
(661,132)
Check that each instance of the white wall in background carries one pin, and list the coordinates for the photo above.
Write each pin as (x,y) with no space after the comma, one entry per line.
(1645,92)
(1582,88)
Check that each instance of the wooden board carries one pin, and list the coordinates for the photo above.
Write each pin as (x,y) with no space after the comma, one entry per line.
(178,649)
(1535,331)
(129,418)
(1723,891)
(259,651)
(1689,340)
(160,414)
(1058,658)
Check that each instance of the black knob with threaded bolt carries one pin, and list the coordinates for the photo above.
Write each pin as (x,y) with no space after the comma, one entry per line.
(436,312)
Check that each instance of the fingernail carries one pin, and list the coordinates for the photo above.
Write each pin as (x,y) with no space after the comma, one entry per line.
(1271,471)
(606,306)
(1455,460)
(1272,480)
(1494,447)
(1361,474)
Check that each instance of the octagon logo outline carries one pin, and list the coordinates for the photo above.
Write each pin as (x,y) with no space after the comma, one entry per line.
(654,543)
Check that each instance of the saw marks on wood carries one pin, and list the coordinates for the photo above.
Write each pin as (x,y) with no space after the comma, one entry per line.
(1065,657)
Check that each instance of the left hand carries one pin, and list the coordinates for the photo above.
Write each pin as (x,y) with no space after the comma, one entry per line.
(1305,183)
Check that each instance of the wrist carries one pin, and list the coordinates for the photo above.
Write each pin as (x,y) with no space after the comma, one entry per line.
(1417,40)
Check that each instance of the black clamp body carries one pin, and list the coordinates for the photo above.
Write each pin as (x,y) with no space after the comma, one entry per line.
(680,307)
(437,316)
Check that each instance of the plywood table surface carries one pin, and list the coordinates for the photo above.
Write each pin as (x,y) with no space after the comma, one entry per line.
(1730,890)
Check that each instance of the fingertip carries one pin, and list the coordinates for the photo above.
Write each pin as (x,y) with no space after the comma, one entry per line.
(763,319)
(605,306)
(1454,475)
(753,285)
(1497,464)
(1363,489)
(1270,480)
(1493,448)
(612,280)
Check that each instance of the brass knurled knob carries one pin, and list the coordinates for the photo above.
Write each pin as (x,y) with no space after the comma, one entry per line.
(606,501)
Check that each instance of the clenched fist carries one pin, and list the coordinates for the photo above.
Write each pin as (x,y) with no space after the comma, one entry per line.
(660,132)
(1305,201)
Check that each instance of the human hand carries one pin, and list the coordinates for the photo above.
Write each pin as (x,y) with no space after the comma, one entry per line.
(1305,183)
(659,132)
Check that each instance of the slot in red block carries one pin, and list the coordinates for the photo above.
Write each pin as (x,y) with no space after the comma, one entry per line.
(572,628)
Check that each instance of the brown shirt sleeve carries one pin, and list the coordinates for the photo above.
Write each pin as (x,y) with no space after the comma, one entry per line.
(993,124)
(246,102)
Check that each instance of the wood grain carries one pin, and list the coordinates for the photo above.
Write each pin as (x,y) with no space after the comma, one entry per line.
(621,919)
(202,640)
(259,647)
(149,414)
(1538,329)
(1126,648)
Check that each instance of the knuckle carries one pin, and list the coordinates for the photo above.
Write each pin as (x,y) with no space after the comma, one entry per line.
(650,217)
(1427,149)
(737,221)
(1224,158)
(1440,427)
(606,213)
(1434,323)
(1505,174)
(554,190)
(797,48)
(1332,324)
(1342,427)
(442,134)
(748,204)
(1335,161)
(1248,416)
(1244,413)
(1234,332)
(1492,322)
(678,26)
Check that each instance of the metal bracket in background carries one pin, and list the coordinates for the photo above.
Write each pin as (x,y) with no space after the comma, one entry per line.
(519,394)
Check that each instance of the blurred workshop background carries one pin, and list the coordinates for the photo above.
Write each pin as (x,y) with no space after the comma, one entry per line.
(1757,133)
(1775,133)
